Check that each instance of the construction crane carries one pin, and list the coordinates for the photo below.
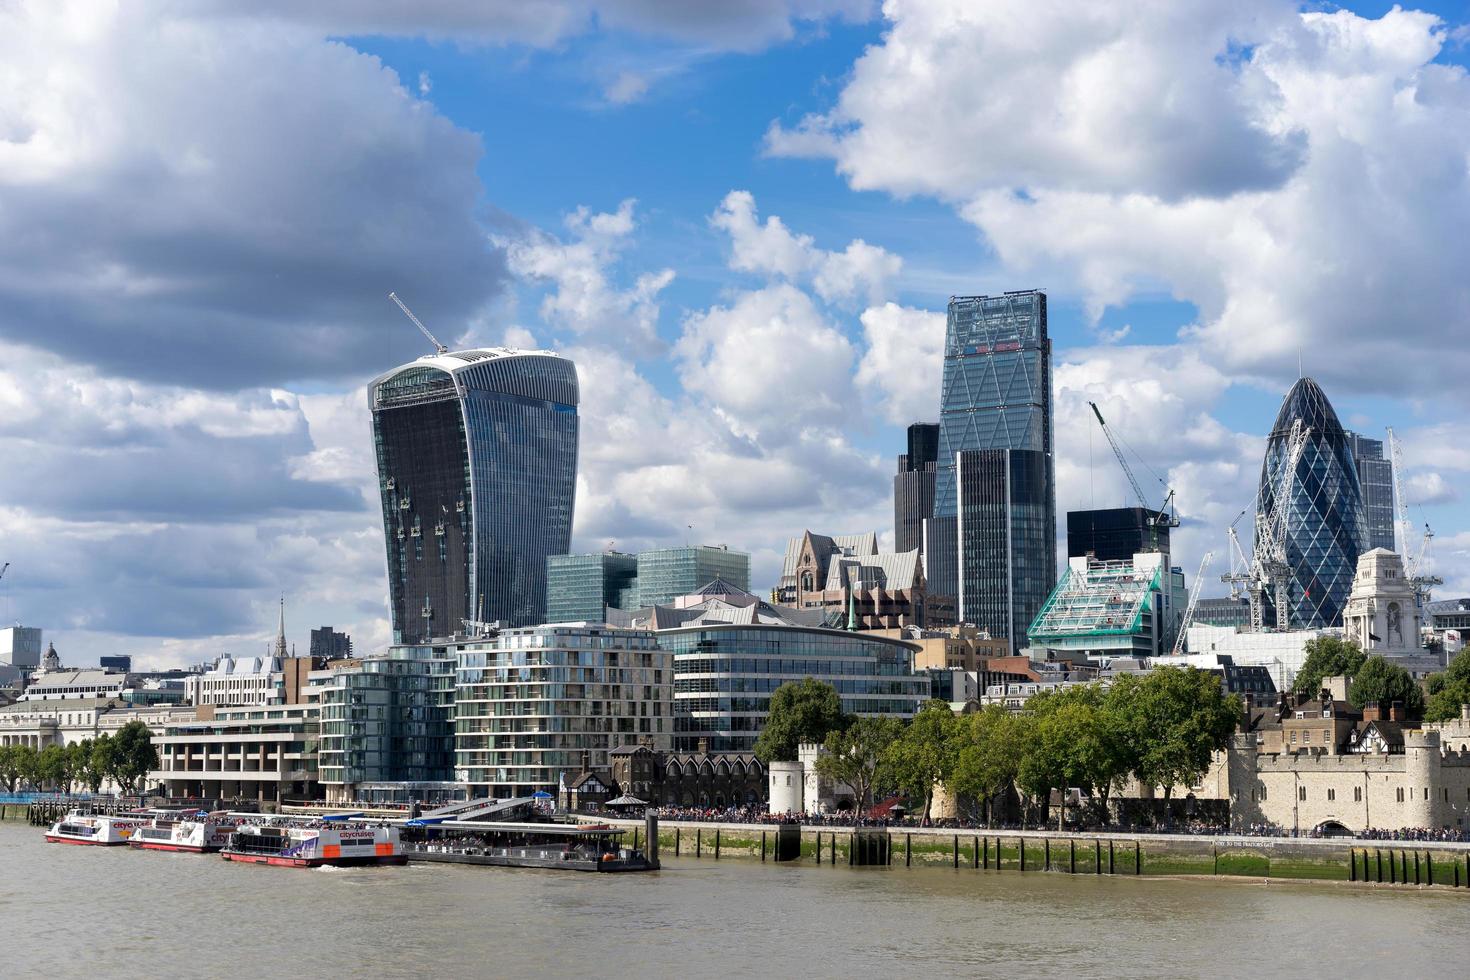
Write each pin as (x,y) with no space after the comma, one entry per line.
(1199,581)
(1163,518)
(438,347)
(1414,570)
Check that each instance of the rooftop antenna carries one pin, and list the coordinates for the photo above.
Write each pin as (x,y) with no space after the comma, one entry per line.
(438,347)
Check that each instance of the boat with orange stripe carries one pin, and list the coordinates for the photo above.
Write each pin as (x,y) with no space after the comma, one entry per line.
(333,841)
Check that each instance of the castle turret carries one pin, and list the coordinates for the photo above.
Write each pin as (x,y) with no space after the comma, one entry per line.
(1421,779)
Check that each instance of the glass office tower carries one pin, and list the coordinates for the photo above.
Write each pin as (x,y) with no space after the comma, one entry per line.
(1007,539)
(1375,479)
(996,395)
(1116,533)
(913,487)
(664,574)
(579,588)
(477,469)
(1325,530)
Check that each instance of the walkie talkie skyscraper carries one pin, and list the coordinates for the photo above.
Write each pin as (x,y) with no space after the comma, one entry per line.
(477,470)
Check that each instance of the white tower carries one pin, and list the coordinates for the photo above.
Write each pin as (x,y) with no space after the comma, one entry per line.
(1382,612)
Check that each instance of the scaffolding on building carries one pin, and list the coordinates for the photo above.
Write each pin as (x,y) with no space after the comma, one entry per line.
(1108,599)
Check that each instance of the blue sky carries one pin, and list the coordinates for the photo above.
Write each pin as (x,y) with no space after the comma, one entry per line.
(743,222)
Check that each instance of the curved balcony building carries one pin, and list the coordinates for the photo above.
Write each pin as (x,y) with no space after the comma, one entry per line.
(477,470)
(1325,526)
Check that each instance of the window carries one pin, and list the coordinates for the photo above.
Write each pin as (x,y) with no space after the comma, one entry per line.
(1357,794)
(1263,791)
(1331,794)
(1301,793)
(1401,794)
(1293,738)
(1307,737)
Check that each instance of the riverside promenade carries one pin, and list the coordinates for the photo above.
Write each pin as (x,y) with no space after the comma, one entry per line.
(1364,861)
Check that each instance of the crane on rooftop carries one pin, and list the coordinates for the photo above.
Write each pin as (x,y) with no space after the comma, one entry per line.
(1414,569)
(438,347)
(1163,517)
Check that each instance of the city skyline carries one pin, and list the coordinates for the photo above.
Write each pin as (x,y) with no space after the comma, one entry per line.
(756,306)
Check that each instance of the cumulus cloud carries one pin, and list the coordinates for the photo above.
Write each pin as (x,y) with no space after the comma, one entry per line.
(1299,177)
(860,271)
(904,362)
(238,228)
(747,25)
(583,298)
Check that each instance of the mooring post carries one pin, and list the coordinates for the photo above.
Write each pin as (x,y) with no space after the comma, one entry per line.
(819,847)
(699,842)
(908,850)
(763,845)
(975,854)
(956,850)
(834,849)
(1073,844)
(1138,857)
(1046,854)
(1021,850)
(678,835)
(717,843)
(985,844)
(1352,864)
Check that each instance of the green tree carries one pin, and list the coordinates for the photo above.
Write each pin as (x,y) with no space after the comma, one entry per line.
(924,754)
(855,756)
(51,766)
(801,711)
(26,765)
(1384,682)
(1449,690)
(75,771)
(1177,719)
(101,762)
(134,756)
(1077,743)
(989,748)
(10,766)
(1327,656)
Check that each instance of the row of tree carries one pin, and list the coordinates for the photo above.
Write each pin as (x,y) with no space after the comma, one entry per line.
(125,758)
(1376,679)
(1161,729)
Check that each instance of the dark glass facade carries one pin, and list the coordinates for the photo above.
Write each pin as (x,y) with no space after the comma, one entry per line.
(477,464)
(724,677)
(665,574)
(1325,530)
(1375,479)
(913,487)
(1116,533)
(579,588)
(1006,530)
(996,395)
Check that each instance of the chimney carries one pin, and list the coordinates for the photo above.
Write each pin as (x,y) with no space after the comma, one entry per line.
(1371,712)
(703,746)
(1396,711)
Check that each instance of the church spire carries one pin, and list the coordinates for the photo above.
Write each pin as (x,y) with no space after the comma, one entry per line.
(280,650)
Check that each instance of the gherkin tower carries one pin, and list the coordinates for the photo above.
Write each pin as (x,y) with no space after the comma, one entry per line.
(1325,526)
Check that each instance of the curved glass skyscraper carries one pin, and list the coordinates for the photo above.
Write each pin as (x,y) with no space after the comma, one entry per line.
(477,469)
(1325,527)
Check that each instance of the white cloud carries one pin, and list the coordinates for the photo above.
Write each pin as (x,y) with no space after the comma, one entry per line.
(904,362)
(1422,489)
(583,299)
(771,362)
(1299,177)
(860,271)
(426,84)
(627,87)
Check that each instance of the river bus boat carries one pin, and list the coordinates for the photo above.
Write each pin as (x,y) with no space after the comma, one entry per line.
(102,830)
(297,843)
(192,831)
(568,847)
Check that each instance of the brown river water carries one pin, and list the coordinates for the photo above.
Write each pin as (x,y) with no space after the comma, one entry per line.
(112,912)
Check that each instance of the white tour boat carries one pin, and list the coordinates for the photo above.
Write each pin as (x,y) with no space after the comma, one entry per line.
(97,829)
(298,843)
(193,831)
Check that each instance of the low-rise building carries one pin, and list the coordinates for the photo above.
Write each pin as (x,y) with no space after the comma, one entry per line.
(700,778)
(1280,652)
(846,577)
(262,753)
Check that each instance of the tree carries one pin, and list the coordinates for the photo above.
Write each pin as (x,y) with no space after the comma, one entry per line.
(1077,743)
(1449,690)
(134,756)
(1384,682)
(855,755)
(26,759)
(1177,719)
(101,762)
(10,766)
(989,748)
(924,754)
(75,769)
(1327,656)
(801,711)
(51,766)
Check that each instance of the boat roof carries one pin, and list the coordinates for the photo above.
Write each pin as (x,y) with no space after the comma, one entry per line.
(552,829)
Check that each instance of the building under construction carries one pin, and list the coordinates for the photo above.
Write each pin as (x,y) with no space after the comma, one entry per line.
(1109,609)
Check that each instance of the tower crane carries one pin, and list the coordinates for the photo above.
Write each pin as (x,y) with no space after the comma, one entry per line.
(438,347)
(1414,570)
(1199,581)
(1164,517)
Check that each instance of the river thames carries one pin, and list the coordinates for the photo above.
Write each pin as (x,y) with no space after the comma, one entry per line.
(114,912)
